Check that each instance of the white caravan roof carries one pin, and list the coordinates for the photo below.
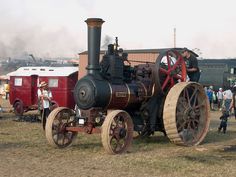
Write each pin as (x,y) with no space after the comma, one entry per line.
(44,71)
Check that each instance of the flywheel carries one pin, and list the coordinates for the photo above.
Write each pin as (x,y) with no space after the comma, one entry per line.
(170,69)
(186,114)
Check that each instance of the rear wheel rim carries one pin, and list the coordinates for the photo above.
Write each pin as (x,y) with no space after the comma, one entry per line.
(186,114)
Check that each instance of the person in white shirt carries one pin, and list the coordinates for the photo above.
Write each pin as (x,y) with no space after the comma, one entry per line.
(220,98)
(227,96)
(45,97)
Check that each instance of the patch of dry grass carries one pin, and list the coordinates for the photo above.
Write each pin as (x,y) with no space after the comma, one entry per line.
(24,152)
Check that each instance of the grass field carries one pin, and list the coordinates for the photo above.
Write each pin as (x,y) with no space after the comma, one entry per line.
(24,152)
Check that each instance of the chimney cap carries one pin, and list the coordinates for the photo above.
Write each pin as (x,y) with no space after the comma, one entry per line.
(94,22)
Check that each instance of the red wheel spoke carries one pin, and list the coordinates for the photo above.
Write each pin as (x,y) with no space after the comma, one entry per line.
(163,71)
(175,65)
(165,83)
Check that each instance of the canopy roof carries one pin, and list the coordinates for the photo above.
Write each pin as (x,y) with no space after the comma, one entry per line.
(44,71)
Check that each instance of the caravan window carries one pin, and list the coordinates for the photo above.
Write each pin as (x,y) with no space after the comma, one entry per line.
(53,82)
(18,82)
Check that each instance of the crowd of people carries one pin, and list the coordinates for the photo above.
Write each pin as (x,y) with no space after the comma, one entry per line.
(222,100)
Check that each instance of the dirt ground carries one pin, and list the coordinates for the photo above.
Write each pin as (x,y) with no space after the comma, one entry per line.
(24,152)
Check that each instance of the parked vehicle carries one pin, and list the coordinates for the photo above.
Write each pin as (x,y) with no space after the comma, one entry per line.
(24,83)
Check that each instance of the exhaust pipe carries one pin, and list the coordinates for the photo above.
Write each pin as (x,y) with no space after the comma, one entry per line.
(94,40)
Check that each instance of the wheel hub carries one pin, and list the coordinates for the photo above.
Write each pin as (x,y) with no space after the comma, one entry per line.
(189,113)
(122,132)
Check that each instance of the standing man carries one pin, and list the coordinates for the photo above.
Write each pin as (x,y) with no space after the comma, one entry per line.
(227,96)
(210,97)
(192,68)
(7,90)
(220,98)
(45,96)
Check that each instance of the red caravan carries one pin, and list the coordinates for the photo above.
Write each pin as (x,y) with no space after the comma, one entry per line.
(24,83)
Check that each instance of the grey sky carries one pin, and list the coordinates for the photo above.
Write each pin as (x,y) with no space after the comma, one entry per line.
(52,28)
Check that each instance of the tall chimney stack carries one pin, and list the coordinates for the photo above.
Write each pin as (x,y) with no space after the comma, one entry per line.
(94,40)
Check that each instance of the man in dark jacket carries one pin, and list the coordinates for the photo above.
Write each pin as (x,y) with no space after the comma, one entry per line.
(192,67)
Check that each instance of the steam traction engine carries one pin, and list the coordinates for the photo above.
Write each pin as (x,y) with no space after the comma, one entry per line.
(118,98)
